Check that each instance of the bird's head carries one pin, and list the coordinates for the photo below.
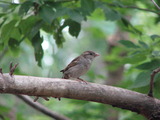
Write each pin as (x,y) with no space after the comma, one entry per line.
(89,55)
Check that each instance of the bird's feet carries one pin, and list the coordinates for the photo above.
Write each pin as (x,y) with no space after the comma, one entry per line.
(81,80)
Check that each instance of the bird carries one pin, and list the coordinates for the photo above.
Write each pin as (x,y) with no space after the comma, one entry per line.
(79,66)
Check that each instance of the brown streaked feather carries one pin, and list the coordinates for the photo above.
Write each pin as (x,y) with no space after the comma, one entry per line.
(71,64)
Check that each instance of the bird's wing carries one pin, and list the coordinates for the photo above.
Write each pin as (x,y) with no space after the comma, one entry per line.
(71,64)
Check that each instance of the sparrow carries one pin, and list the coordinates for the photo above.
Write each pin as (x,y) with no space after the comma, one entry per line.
(79,66)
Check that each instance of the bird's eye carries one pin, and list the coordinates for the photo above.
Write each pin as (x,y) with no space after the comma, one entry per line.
(91,53)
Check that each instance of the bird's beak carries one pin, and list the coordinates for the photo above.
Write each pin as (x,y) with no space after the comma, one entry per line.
(96,54)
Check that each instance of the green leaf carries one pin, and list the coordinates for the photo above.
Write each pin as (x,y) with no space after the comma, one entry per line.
(143,79)
(48,28)
(16,33)
(14,46)
(38,51)
(130,27)
(60,11)
(128,44)
(6,30)
(156,53)
(2,14)
(4,6)
(74,27)
(153,37)
(30,26)
(143,44)
(46,13)
(135,58)
(111,14)
(58,36)
(149,65)
(87,7)
(57,33)
(4,109)
(27,24)
(35,29)
(1,46)
(25,7)
(75,15)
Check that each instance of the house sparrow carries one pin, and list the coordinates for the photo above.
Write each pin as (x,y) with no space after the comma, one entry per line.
(79,66)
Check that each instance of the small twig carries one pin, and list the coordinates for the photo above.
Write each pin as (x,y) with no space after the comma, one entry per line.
(1,71)
(11,65)
(134,7)
(150,93)
(45,98)
(12,68)
(37,97)
(58,98)
(155,4)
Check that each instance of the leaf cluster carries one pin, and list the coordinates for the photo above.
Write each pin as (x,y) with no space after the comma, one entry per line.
(25,21)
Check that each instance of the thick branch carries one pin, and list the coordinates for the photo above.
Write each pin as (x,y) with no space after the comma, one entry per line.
(117,97)
(41,108)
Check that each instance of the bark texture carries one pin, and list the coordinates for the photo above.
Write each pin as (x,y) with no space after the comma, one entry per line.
(47,87)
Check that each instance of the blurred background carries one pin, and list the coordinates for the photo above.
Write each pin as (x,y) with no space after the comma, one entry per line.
(126,37)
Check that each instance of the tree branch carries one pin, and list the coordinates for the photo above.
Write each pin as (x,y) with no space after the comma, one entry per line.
(155,4)
(47,87)
(150,93)
(41,108)
(135,7)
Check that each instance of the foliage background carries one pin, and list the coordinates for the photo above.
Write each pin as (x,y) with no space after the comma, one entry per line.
(43,36)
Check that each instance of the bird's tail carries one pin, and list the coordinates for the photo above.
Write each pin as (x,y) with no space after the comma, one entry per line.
(62,71)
